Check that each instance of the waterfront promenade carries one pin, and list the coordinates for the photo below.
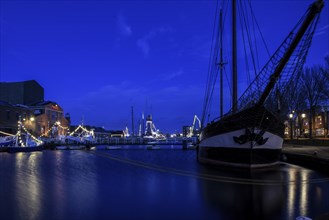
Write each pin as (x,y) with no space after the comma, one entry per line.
(312,156)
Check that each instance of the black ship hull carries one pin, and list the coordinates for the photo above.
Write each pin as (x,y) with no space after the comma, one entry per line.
(251,138)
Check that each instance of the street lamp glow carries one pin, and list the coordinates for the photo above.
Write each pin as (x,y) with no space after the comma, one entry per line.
(291,115)
(32,119)
(303,115)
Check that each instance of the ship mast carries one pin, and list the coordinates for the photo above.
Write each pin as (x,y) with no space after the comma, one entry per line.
(221,63)
(234,59)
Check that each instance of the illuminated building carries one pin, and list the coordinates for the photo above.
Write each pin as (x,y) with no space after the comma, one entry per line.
(50,119)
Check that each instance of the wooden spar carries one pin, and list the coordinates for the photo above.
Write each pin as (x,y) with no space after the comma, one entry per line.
(315,8)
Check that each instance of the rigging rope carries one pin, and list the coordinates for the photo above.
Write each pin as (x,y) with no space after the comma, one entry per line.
(289,72)
(212,68)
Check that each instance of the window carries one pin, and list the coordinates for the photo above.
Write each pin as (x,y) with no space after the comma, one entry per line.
(53,116)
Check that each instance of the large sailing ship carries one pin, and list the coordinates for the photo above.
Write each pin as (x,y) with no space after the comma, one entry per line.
(251,134)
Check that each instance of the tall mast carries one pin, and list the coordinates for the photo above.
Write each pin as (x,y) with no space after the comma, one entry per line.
(221,63)
(234,60)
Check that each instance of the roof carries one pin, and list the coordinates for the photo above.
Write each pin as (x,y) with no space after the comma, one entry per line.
(43,103)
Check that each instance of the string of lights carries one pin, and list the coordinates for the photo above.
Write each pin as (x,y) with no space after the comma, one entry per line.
(1,132)
(19,134)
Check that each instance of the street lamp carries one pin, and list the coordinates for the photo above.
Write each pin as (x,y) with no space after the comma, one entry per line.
(58,123)
(326,124)
(290,117)
(302,123)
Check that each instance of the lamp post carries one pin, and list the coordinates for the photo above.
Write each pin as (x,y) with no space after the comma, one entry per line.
(31,124)
(302,124)
(58,123)
(290,117)
(325,124)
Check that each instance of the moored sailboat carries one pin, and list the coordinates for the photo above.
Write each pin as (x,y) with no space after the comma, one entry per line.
(251,134)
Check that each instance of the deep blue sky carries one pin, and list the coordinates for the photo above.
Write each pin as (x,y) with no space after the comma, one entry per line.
(98,58)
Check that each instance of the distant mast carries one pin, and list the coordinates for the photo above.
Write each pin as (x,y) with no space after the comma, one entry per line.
(132,122)
(234,60)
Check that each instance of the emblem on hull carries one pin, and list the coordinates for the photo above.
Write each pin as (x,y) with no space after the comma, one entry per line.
(251,136)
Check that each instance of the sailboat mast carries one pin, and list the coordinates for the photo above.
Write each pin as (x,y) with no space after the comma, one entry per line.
(234,59)
(132,122)
(221,64)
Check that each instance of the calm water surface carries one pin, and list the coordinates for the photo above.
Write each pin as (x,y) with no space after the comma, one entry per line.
(135,183)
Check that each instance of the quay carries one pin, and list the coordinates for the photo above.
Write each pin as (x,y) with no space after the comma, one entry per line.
(301,152)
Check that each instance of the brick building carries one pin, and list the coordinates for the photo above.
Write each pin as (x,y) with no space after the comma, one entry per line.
(26,99)
(50,119)
(11,114)
(299,124)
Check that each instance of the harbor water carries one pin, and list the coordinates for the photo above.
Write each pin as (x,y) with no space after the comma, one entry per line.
(168,183)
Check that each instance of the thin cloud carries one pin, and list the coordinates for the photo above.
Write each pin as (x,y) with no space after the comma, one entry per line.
(123,27)
(110,105)
(322,30)
(144,42)
(173,75)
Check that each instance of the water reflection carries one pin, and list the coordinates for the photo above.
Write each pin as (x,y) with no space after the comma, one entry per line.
(291,192)
(246,200)
(298,191)
(285,192)
(304,190)
(76,183)
(142,184)
(27,184)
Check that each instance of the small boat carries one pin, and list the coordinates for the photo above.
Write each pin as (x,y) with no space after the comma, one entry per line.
(79,147)
(152,147)
(61,148)
(3,149)
(7,141)
(186,145)
(113,147)
(191,146)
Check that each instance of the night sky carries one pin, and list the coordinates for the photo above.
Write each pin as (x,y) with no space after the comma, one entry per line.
(96,59)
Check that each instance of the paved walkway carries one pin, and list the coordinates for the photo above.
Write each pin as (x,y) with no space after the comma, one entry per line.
(315,157)
(321,152)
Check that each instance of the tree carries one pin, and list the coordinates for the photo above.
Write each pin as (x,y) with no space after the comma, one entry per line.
(313,84)
(325,72)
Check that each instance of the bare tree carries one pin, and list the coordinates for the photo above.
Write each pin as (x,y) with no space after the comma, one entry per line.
(313,83)
(325,72)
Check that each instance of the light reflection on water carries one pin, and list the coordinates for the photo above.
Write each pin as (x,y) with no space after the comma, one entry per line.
(291,192)
(27,186)
(143,184)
